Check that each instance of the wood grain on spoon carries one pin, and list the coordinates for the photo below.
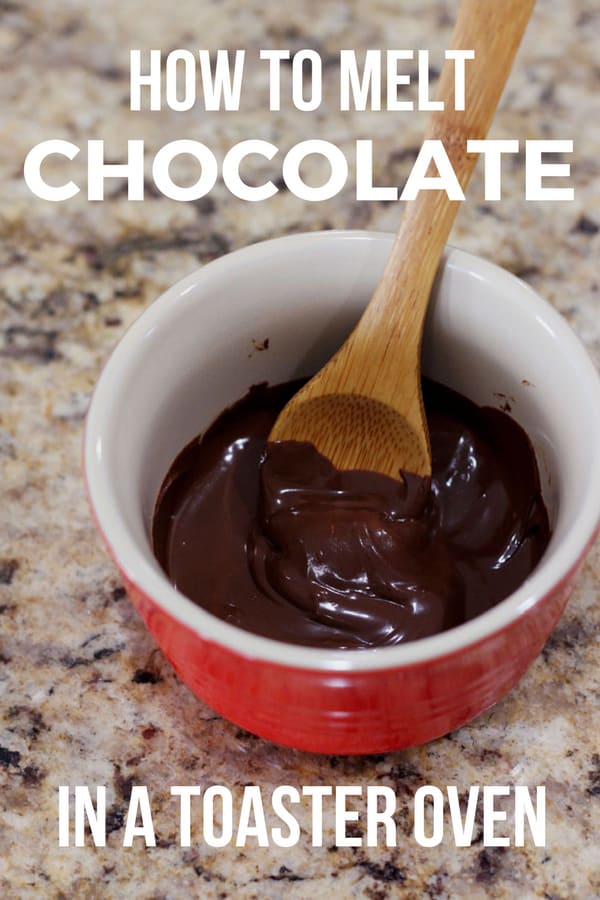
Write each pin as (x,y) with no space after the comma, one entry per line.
(364,409)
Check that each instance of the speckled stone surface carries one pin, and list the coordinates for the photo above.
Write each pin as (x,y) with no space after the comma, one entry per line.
(86,698)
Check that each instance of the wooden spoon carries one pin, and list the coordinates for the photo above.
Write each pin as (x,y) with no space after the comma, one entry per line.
(364,409)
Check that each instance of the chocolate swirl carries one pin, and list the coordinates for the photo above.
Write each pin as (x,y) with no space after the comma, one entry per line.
(274,539)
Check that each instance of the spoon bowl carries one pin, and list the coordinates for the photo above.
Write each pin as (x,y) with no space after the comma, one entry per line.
(368,434)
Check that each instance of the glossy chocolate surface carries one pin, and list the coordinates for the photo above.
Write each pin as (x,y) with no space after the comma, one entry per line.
(275,540)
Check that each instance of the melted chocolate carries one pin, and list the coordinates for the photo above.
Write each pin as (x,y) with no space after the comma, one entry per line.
(275,540)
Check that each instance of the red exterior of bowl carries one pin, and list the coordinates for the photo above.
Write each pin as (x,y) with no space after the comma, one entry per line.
(354,712)
(354,704)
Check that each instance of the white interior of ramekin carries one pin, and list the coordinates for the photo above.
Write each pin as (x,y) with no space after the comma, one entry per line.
(198,348)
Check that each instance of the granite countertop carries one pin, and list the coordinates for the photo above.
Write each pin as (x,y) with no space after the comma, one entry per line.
(86,696)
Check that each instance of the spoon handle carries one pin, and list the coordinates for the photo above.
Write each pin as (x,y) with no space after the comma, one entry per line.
(364,408)
(493,30)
